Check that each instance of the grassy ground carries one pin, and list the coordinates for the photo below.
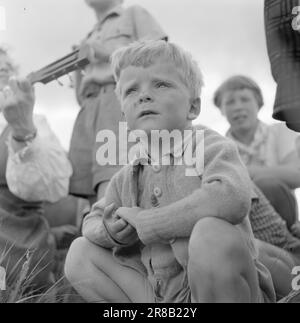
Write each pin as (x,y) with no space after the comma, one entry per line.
(20,289)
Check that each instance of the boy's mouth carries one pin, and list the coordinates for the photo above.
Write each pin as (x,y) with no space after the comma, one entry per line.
(239,118)
(147,113)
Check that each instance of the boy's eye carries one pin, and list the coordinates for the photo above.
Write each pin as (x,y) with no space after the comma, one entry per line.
(161,85)
(129,91)
(229,102)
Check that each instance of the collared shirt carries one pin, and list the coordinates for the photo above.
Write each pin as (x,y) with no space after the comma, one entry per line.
(41,170)
(118,28)
(271,146)
(181,152)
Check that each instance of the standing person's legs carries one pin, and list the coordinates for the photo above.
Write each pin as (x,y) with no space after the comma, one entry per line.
(108,119)
(281,198)
(81,148)
(97,277)
(220,267)
(100,111)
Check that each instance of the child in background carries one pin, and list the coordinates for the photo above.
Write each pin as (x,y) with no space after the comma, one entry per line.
(160,235)
(268,151)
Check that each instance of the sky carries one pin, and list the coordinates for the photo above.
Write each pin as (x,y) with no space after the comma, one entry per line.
(226,37)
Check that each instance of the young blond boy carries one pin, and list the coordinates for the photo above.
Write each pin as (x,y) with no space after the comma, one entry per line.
(160,235)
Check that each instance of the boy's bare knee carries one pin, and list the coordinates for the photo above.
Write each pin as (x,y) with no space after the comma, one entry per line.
(215,241)
(76,258)
(219,259)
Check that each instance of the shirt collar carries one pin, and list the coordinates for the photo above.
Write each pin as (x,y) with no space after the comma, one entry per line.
(117,10)
(141,154)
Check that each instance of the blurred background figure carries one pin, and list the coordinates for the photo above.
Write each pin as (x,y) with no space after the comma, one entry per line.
(269,151)
(33,169)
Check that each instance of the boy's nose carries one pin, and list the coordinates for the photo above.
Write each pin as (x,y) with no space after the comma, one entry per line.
(238,106)
(145,98)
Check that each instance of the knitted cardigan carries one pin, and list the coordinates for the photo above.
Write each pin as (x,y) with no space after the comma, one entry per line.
(223,191)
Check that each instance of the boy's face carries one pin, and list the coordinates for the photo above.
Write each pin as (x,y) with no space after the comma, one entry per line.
(155,98)
(240,107)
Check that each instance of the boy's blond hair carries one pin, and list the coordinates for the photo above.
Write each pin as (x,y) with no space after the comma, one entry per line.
(147,53)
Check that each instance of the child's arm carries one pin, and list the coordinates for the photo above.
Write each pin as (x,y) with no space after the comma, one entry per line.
(225,194)
(119,230)
(102,227)
(93,228)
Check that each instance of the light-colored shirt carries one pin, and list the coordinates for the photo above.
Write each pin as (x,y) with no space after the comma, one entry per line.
(118,28)
(41,170)
(273,145)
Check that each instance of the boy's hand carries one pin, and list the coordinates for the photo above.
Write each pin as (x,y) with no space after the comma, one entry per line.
(129,214)
(295,229)
(119,229)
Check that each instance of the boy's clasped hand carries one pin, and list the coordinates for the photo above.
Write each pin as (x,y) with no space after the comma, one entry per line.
(120,225)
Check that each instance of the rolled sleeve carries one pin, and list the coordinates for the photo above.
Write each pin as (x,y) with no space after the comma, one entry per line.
(40,171)
(94,228)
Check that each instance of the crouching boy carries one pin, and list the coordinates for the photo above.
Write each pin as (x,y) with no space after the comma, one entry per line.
(170,231)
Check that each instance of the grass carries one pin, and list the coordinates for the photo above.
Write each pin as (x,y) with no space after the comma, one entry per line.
(20,287)
(20,283)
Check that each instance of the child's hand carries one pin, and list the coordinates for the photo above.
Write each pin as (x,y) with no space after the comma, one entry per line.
(128,214)
(295,229)
(119,229)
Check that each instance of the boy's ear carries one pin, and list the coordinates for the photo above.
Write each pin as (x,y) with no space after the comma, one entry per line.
(195,109)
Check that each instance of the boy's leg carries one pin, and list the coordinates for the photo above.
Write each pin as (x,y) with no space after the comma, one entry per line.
(220,266)
(97,277)
(280,263)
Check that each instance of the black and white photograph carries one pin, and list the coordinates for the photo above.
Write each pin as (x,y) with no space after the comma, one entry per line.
(149,154)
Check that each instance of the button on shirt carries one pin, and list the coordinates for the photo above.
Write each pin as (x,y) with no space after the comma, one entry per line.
(41,170)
